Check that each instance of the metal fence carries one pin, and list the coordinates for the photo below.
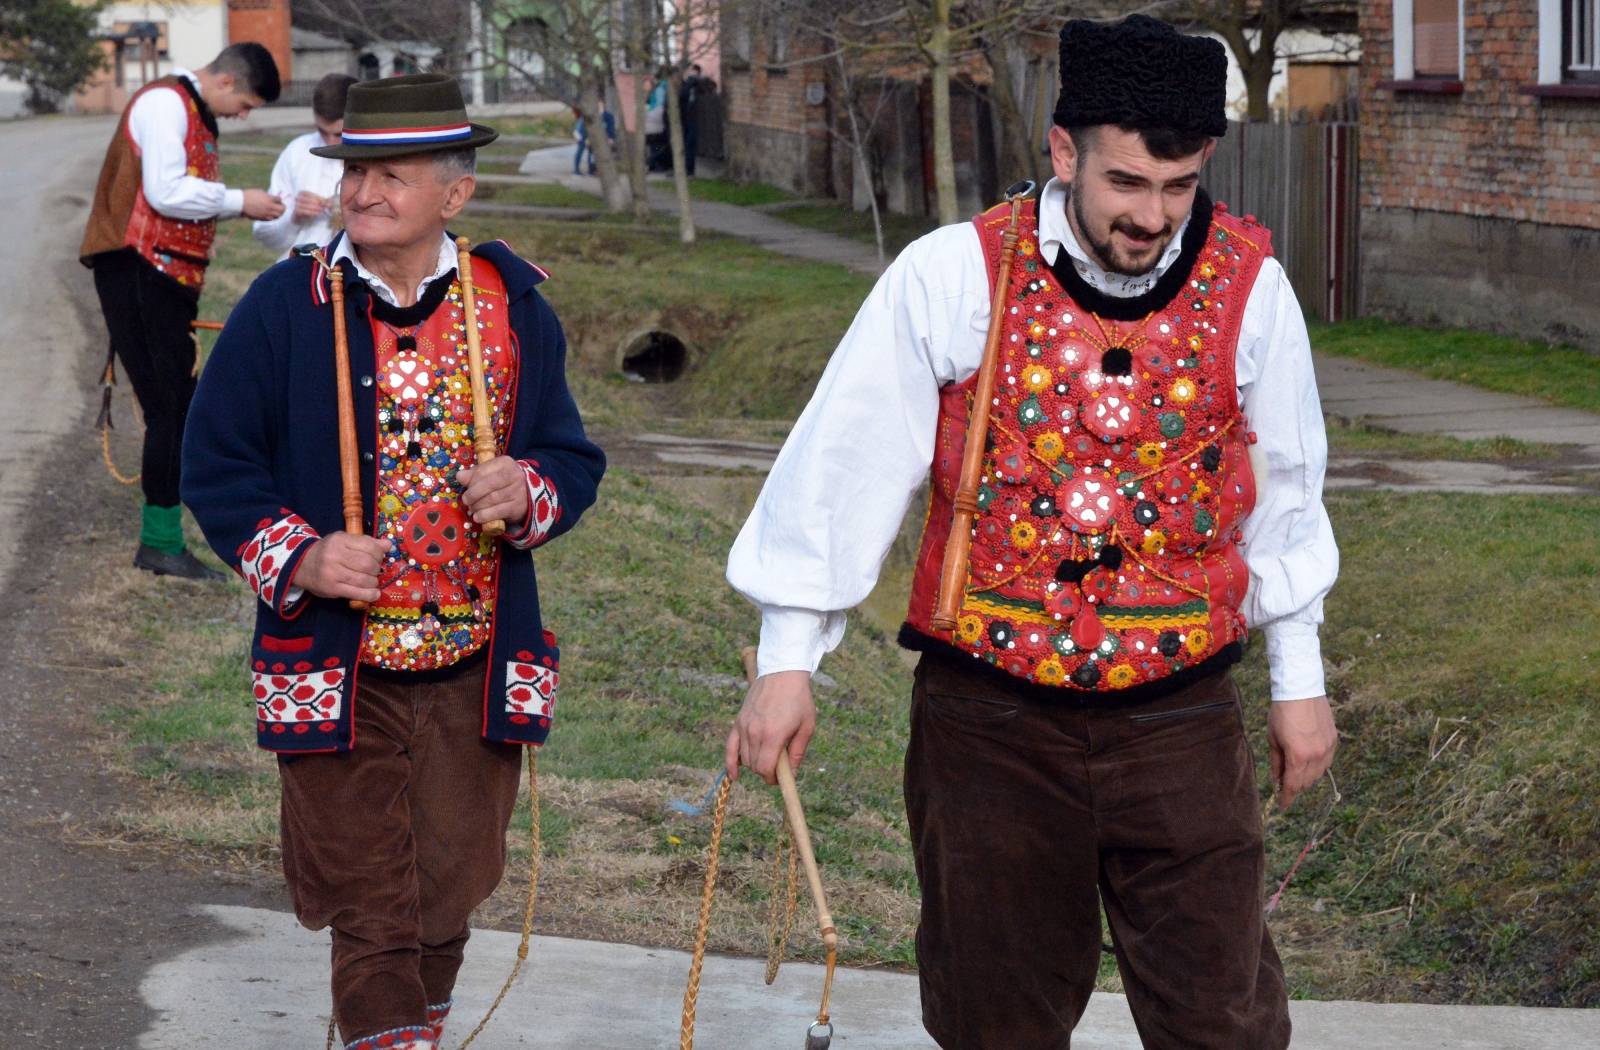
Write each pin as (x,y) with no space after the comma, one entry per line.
(1302,181)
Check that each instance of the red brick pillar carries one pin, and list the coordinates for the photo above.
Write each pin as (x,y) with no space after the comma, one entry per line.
(267,23)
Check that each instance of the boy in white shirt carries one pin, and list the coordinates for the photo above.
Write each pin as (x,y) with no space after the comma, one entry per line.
(308,185)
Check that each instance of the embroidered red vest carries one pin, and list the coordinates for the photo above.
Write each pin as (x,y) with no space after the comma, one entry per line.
(1104,552)
(123,218)
(438,582)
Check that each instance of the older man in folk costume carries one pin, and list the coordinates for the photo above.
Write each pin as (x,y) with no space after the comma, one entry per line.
(148,241)
(396,728)
(1151,486)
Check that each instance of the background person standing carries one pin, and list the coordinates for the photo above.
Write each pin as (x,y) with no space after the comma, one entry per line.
(308,185)
(149,240)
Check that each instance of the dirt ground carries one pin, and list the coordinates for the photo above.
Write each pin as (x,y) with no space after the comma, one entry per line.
(83,912)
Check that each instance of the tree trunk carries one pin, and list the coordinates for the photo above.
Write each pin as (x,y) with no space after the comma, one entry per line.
(858,147)
(944,164)
(680,170)
(1016,160)
(605,156)
(638,60)
(1258,79)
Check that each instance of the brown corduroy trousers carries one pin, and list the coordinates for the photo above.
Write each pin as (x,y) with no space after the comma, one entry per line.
(394,842)
(1028,816)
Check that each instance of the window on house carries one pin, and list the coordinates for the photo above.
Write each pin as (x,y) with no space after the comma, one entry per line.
(1436,38)
(1580,40)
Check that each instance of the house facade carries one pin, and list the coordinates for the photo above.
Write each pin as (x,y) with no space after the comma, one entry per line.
(1480,165)
(786,123)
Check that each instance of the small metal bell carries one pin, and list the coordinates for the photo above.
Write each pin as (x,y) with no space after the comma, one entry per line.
(819,1036)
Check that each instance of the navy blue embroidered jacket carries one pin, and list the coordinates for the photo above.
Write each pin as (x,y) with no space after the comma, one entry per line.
(261,475)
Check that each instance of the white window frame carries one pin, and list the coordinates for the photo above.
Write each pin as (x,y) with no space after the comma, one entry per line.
(1405,54)
(1550,57)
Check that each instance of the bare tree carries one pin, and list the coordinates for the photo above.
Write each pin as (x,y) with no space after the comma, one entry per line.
(687,30)
(945,38)
(1254,31)
(862,109)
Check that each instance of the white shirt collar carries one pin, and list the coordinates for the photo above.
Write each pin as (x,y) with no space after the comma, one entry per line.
(447,262)
(1055,233)
(179,71)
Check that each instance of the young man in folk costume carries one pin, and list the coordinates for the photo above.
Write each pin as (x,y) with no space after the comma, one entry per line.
(1152,485)
(397,728)
(149,240)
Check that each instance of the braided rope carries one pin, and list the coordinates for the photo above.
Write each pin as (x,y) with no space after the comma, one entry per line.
(109,380)
(105,454)
(533,891)
(691,993)
(778,939)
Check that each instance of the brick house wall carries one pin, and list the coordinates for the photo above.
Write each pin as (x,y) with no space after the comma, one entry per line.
(265,22)
(776,119)
(1482,207)
(785,127)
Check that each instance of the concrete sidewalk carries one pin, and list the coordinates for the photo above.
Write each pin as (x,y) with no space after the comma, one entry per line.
(1396,400)
(265,984)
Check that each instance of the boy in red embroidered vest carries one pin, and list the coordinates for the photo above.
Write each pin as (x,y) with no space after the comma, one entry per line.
(397,727)
(1151,486)
(148,241)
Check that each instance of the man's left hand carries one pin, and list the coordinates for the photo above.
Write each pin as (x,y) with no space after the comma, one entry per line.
(1302,739)
(496,489)
(308,206)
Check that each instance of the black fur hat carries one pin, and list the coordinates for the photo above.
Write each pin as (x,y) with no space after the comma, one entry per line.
(1141,73)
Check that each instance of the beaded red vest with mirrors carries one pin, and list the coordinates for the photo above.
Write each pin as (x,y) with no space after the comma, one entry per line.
(1105,547)
(439,580)
(179,248)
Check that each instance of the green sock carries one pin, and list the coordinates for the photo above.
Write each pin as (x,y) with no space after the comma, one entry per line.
(162,529)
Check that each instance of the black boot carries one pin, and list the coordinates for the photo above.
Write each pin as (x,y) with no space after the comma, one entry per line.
(182,564)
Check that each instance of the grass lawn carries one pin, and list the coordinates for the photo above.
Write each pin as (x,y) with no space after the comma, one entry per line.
(729,191)
(1354,438)
(898,230)
(541,194)
(1458,865)
(554,126)
(1562,375)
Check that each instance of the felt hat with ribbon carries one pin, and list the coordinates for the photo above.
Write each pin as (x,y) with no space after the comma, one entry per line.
(396,116)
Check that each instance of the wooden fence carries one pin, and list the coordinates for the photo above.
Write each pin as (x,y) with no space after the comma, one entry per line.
(1301,180)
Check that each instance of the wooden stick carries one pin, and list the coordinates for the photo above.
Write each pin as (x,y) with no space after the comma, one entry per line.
(349,459)
(206,326)
(797,823)
(958,549)
(482,421)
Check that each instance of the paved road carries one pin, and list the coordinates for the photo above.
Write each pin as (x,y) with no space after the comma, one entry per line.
(595,996)
(53,328)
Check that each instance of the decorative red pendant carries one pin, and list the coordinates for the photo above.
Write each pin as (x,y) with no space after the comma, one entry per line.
(1109,417)
(434,534)
(1090,503)
(1087,632)
(408,378)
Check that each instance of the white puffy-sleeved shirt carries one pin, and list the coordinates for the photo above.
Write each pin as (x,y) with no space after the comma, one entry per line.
(815,543)
(296,169)
(157,123)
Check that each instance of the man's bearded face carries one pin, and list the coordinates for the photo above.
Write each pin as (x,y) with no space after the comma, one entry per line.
(1126,203)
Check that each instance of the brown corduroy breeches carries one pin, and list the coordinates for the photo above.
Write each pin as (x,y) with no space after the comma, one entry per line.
(395,842)
(1028,817)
